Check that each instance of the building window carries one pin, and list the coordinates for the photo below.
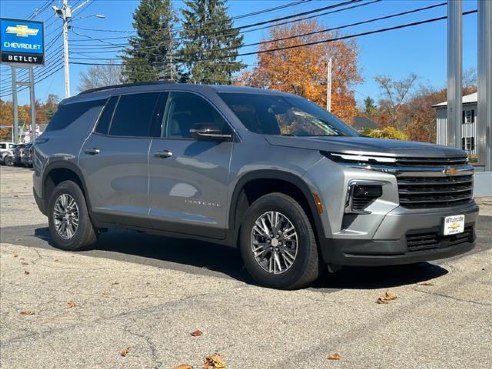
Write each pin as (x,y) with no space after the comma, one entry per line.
(468,116)
(468,143)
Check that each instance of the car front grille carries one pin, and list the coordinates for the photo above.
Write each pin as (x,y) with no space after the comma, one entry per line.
(434,192)
(432,240)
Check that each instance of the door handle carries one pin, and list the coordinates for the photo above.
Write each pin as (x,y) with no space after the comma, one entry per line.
(92,151)
(163,154)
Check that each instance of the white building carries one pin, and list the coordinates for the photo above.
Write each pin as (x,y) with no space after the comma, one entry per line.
(469,140)
(468,126)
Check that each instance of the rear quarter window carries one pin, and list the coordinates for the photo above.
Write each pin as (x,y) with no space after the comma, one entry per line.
(67,114)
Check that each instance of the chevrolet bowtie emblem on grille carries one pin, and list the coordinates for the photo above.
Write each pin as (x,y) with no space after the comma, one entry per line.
(454,226)
(450,171)
(22,31)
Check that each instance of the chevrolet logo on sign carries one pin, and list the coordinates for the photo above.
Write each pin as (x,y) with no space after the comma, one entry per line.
(22,31)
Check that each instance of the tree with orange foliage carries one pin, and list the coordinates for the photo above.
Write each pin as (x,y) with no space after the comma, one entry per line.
(302,70)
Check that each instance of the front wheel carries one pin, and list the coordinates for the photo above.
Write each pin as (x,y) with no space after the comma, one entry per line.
(8,161)
(70,225)
(277,243)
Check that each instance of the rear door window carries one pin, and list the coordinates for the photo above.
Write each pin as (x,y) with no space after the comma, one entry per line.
(134,115)
(106,116)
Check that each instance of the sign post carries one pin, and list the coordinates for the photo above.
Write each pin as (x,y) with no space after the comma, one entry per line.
(22,46)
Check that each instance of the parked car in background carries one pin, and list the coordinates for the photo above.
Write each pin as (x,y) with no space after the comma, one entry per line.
(4,145)
(26,158)
(18,150)
(5,150)
(4,154)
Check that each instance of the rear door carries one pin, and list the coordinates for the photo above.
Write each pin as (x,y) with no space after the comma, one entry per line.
(189,178)
(115,159)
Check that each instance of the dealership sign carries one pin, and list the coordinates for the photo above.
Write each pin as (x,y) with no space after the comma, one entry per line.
(22,42)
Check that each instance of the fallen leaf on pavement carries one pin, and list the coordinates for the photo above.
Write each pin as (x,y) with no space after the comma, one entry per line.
(386,297)
(125,352)
(71,304)
(214,362)
(184,366)
(426,284)
(26,312)
(196,333)
(334,356)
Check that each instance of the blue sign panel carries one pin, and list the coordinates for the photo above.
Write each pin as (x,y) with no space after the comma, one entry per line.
(21,41)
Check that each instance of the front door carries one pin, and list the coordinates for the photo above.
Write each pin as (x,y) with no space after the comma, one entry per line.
(189,178)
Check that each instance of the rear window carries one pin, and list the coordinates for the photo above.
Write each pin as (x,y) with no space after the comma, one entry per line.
(70,113)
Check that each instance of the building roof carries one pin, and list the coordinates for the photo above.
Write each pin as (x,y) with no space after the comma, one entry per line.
(467,99)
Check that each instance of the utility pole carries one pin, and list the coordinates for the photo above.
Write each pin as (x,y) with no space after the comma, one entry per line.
(454,73)
(65,13)
(328,85)
(484,118)
(171,70)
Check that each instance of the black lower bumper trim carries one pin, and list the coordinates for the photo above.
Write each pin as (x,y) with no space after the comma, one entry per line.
(379,253)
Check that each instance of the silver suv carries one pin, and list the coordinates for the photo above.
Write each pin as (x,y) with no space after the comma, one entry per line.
(271,173)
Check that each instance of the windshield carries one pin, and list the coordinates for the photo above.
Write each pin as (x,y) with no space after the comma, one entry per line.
(284,115)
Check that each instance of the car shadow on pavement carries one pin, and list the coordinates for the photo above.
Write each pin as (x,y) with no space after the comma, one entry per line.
(186,255)
(380,277)
(211,259)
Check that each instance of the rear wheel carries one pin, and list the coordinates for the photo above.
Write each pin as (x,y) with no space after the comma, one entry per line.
(69,222)
(277,243)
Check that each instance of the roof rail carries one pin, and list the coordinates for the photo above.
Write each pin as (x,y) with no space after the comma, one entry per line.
(126,85)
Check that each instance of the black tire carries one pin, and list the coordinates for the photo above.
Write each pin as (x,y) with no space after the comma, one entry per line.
(8,161)
(70,238)
(306,265)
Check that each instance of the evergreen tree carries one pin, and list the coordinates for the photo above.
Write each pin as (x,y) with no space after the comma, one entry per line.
(369,106)
(150,56)
(210,42)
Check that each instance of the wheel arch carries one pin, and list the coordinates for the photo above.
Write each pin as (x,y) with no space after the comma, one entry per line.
(57,172)
(258,183)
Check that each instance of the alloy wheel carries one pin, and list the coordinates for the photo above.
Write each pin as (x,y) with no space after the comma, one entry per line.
(274,242)
(66,216)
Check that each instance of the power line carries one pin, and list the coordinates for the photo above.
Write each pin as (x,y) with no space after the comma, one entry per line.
(123,45)
(381,30)
(299,35)
(339,27)
(339,38)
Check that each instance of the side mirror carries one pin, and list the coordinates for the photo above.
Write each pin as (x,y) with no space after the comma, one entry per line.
(209,131)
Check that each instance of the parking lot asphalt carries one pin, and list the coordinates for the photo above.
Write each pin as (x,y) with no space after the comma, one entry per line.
(134,301)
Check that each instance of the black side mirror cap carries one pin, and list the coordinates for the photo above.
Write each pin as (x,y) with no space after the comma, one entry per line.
(209,131)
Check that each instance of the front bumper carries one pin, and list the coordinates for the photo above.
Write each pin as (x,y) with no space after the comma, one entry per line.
(404,237)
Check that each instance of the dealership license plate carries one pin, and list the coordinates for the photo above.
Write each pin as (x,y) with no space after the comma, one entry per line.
(454,224)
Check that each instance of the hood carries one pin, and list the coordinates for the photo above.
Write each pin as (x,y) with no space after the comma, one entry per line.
(366,145)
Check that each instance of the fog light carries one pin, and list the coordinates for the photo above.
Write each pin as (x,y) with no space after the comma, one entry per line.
(360,195)
(368,191)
